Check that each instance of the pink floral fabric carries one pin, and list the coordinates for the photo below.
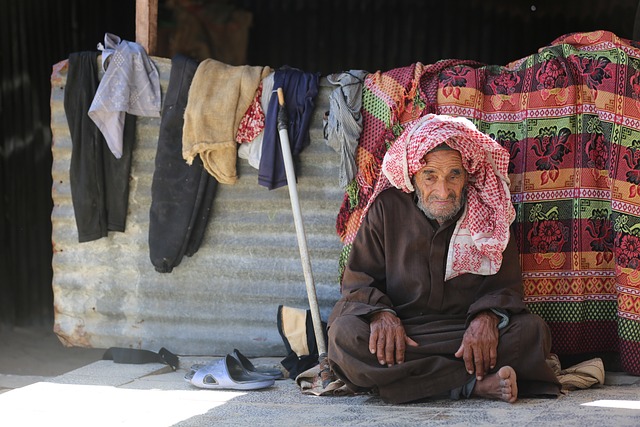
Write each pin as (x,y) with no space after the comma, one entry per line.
(252,123)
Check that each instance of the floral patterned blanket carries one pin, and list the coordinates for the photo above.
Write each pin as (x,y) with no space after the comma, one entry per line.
(570,117)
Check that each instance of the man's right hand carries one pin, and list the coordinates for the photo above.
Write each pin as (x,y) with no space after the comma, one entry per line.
(388,339)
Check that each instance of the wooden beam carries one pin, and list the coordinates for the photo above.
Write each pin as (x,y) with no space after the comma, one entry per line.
(147,25)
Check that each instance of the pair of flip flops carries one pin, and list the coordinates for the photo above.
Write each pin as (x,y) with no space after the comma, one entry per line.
(234,371)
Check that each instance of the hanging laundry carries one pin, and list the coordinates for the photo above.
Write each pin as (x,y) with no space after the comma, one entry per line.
(219,96)
(300,89)
(99,182)
(252,150)
(131,84)
(343,125)
(181,194)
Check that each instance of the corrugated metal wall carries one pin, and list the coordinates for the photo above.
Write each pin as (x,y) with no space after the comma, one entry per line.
(314,35)
(226,296)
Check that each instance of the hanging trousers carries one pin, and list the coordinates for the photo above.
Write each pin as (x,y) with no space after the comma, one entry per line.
(99,182)
(181,194)
(300,90)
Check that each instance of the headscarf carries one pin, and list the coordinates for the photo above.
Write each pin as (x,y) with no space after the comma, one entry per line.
(131,84)
(482,232)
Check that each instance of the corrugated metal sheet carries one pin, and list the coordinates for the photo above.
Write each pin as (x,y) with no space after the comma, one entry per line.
(107,293)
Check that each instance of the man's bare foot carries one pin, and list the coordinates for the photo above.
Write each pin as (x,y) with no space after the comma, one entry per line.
(501,385)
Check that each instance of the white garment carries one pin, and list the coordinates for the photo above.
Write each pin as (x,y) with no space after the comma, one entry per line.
(252,151)
(131,84)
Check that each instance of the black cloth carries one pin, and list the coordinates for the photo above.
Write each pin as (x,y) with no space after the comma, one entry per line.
(300,90)
(134,356)
(181,194)
(99,182)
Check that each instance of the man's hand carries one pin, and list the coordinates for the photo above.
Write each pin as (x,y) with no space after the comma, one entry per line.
(388,339)
(479,347)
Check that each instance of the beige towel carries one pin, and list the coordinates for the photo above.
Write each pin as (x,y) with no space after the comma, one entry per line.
(583,375)
(218,98)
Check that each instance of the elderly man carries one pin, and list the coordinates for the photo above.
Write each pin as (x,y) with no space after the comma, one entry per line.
(432,292)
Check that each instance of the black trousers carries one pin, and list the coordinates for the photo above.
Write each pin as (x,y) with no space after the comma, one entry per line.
(181,194)
(99,181)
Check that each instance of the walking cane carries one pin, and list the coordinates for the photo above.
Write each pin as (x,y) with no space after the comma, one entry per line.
(283,124)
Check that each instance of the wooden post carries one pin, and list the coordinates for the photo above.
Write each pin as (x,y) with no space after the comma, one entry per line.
(147,25)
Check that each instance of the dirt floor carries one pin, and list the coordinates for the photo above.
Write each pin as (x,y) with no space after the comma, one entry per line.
(37,351)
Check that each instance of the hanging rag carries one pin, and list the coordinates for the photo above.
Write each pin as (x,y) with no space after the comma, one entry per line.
(343,125)
(580,376)
(300,89)
(482,232)
(131,84)
(219,96)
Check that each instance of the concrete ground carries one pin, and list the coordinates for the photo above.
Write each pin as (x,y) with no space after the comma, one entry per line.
(44,383)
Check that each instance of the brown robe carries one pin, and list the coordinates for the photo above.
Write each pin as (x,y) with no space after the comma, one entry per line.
(397,261)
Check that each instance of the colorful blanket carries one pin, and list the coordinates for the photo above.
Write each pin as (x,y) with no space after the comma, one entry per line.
(570,117)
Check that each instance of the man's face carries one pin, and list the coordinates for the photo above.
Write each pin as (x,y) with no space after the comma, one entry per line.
(440,185)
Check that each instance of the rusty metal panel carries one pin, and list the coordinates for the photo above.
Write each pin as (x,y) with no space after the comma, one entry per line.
(107,293)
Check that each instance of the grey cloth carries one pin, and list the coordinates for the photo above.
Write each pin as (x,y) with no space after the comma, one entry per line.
(131,84)
(343,125)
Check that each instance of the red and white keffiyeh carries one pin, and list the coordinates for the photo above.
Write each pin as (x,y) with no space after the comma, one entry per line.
(482,232)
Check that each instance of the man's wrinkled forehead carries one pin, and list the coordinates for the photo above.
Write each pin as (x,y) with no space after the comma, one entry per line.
(440,147)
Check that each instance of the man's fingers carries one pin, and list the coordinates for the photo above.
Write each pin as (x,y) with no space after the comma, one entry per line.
(460,351)
(380,349)
(388,339)
(479,363)
(389,351)
(373,341)
(467,356)
(411,342)
(400,348)
(377,343)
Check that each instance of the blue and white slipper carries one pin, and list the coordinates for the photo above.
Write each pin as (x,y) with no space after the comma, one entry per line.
(226,373)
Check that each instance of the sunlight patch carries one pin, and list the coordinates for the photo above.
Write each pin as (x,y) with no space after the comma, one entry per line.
(623,404)
(82,405)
